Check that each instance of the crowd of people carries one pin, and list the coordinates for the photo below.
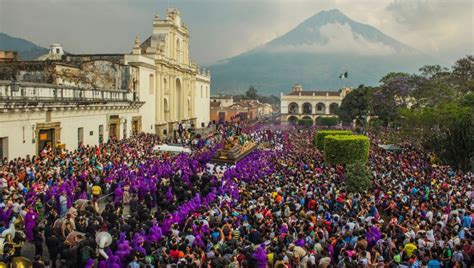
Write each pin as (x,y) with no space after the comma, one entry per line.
(281,206)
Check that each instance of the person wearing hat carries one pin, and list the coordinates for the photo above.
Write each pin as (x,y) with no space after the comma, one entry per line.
(300,255)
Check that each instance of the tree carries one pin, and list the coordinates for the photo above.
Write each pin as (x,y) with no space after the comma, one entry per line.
(398,87)
(463,74)
(446,129)
(355,104)
(434,109)
(251,93)
(327,121)
(357,178)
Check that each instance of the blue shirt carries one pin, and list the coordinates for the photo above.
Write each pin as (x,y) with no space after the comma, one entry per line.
(467,221)
(434,264)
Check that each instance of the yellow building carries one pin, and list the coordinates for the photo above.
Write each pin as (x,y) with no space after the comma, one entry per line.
(172,86)
(301,104)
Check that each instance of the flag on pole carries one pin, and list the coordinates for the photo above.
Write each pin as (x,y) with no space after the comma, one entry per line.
(343,75)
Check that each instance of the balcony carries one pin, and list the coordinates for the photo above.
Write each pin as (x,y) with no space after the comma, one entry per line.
(34,93)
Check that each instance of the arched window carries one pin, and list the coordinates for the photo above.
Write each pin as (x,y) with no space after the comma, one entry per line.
(293,108)
(179,100)
(307,109)
(152,84)
(292,120)
(320,108)
(333,108)
(165,86)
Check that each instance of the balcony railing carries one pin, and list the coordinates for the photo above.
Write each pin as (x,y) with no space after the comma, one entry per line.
(36,92)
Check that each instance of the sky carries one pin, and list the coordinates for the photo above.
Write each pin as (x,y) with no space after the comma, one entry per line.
(220,29)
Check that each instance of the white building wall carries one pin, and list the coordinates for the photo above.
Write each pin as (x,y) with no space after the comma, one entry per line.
(225,101)
(148,95)
(202,101)
(149,108)
(19,128)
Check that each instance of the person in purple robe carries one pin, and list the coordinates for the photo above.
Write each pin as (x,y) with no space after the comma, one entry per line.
(373,235)
(260,256)
(118,195)
(30,224)
(5,215)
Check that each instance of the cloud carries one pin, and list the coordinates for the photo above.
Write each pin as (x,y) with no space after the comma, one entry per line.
(337,38)
(423,13)
(221,29)
(439,27)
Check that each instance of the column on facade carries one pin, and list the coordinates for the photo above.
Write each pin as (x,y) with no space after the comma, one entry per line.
(193,98)
(170,97)
(159,98)
(161,106)
(326,105)
(178,97)
(172,100)
(184,96)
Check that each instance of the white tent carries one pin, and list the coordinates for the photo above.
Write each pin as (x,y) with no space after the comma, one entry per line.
(170,148)
(390,147)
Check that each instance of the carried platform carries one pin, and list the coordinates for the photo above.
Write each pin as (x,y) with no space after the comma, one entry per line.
(233,154)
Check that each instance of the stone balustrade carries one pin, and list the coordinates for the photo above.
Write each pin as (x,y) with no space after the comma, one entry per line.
(24,92)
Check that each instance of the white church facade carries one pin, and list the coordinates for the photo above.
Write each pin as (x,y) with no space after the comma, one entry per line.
(66,99)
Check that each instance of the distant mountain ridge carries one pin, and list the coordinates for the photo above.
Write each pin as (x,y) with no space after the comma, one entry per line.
(26,49)
(314,53)
(309,31)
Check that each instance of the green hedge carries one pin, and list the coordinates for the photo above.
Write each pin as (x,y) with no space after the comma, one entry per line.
(346,149)
(327,121)
(319,139)
(305,122)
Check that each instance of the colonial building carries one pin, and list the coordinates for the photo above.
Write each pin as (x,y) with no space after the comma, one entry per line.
(300,104)
(34,115)
(222,111)
(66,99)
(224,100)
(177,88)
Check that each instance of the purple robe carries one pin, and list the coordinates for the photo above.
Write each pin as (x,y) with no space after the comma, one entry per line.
(30,224)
